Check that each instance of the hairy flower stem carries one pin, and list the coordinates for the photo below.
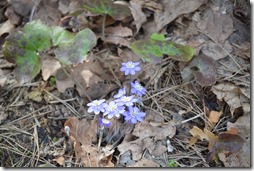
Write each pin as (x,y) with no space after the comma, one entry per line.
(103,26)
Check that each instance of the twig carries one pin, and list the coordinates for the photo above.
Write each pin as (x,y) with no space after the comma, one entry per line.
(36,4)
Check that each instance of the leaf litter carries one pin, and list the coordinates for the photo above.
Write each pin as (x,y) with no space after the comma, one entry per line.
(220,64)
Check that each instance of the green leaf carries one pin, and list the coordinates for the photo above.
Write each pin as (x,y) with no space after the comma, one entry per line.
(116,11)
(151,50)
(14,46)
(38,35)
(28,66)
(60,36)
(156,36)
(75,51)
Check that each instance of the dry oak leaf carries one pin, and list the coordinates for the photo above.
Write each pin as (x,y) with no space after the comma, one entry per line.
(231,94)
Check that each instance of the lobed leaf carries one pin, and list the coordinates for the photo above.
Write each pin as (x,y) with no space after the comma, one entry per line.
(75,51)
(116,11)
(27,61)
(227,143)
(38,35)
(156,36)
(152,50)
(28,66)
(204,70)
(60,36)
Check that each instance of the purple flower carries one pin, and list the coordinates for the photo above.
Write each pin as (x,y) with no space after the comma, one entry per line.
(130,68)
(136,88)
(112,109)
(120,93)
(104,122)
(126,100)
(134,115)
(96,106)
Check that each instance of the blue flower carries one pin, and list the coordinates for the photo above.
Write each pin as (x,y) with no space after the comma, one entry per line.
(120,93)
(126,100)
(104,122)
(136,88)
(133,115)
(96,106)
(130,68)
(112,109)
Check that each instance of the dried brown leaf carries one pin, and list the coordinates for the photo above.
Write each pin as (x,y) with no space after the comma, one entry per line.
(206,134)
(217,25)
(60,160)
(231,94)
(171,10)
(214,116)
(137,13)
(119,31)
(144,130)
(49,67)
(6,27)
(145,163)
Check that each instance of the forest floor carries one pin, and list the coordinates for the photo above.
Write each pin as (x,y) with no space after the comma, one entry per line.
(189,121)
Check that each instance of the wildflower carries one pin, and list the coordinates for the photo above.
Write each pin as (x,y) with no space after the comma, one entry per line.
(133,115)
(112,109)
(104,122)
(120,93)
(130,68)
(136,88)
(96,106)
(126,100)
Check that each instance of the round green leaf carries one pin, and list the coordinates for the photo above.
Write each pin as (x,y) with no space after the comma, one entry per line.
(60,36)
(28,66)
(38,35)
(14,46)
(204,70)
(150,50)
(75,52)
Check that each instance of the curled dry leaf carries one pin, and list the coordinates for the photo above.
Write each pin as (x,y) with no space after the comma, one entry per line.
(137,13)
(171,10)
(197,133)
(148,139)
(231,94)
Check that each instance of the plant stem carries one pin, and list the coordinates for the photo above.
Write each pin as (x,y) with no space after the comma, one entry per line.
(103,26)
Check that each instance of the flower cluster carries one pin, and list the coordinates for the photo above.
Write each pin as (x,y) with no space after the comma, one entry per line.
(123,103)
